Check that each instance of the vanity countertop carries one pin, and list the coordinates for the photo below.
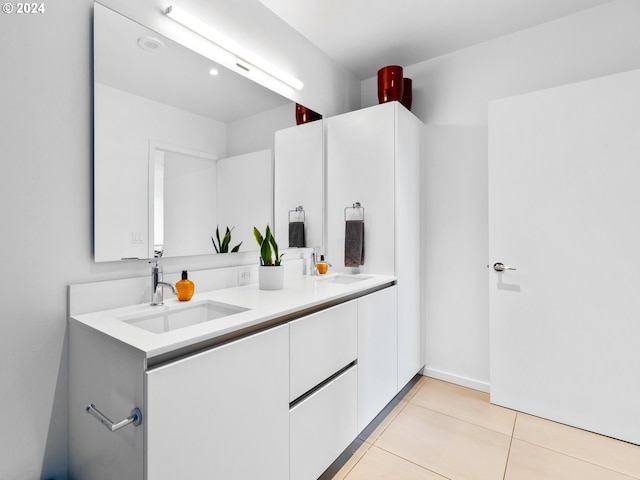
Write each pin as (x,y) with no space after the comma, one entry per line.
(301,293)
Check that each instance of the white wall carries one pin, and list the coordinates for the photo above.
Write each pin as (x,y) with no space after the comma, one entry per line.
(46,205)
(262,127)
(450,95)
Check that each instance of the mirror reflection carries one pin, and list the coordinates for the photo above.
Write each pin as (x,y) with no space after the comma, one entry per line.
(177,151)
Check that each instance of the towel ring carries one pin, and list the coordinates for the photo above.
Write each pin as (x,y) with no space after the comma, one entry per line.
(356,206)
(299,210)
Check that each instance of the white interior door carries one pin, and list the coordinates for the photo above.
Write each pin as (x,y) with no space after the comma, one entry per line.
(564,208)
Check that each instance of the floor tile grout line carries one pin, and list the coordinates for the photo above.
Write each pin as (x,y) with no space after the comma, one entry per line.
(461,419)
(386,426)
(372,442)
(346,475)
(513,431)
(412,462)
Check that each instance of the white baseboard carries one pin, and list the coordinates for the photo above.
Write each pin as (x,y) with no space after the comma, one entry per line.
(456,379)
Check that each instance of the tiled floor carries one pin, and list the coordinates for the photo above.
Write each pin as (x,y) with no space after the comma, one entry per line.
(439,431)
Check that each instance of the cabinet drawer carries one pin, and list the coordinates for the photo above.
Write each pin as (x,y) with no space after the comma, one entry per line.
(323,425)
(321,345)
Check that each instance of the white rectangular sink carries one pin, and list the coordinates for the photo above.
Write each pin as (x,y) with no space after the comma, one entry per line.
(346,279)
(167,318)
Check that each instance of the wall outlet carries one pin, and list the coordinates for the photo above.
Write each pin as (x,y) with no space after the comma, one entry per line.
(137,237)
(245,275)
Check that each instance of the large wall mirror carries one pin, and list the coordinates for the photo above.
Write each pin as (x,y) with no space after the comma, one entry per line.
(170,164)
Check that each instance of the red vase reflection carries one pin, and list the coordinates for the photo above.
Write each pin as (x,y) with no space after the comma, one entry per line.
(390,84)
(305,115)
(407,94)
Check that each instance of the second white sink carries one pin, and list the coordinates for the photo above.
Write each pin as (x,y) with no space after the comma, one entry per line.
(167,318)
(344,279)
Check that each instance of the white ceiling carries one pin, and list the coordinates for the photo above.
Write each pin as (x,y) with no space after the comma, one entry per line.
(365,35)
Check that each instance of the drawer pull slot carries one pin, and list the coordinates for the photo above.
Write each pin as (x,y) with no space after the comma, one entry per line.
(321,384)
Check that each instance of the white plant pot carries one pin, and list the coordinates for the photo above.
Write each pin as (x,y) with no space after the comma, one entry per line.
(271,278)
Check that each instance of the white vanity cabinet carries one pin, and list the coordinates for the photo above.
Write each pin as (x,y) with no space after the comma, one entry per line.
(333,397)
(222,413)
(219,413)
(377,353)
(280,399)
(299,181)
(324,388)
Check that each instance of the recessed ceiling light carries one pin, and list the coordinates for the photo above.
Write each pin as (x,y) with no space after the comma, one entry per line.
(150,43)
(213,71)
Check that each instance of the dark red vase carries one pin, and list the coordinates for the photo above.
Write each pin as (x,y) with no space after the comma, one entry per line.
(390,84)
(305,115)
(407,93)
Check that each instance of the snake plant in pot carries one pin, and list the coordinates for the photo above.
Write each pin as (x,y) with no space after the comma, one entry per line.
(271,272)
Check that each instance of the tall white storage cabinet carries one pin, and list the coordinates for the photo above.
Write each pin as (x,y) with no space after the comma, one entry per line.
(299,181)
(373,157)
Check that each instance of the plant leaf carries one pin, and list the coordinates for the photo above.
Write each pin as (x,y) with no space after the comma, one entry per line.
(258,236)
(236,248)
(274,245)
(265,253)
(225,242)
(218,236)
(214,244)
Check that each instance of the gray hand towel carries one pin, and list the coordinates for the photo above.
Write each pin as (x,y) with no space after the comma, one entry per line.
(354,243)
(296,235)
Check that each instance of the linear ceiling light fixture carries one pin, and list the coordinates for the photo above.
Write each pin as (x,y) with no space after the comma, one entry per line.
(245,59)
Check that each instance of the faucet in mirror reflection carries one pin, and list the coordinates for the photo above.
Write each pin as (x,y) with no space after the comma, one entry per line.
(297,228)
(354,235)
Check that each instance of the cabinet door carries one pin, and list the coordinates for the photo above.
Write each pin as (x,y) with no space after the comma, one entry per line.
(377,353)
(299,181)
(360,168)
(321,345)
(409,247)
(223,413)
(323,425)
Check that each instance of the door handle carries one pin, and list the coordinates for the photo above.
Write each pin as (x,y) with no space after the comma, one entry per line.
(501,267)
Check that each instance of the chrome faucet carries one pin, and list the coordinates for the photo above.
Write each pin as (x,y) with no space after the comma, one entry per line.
(157,290)
(313,268)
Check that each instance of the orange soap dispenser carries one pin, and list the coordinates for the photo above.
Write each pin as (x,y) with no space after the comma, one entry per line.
(185,288)
(322,266)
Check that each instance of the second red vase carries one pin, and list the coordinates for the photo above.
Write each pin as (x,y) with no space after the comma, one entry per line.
(407,93)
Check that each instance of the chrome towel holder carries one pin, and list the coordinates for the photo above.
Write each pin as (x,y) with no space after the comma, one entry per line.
(135,418)
(356,206)
(299,210)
